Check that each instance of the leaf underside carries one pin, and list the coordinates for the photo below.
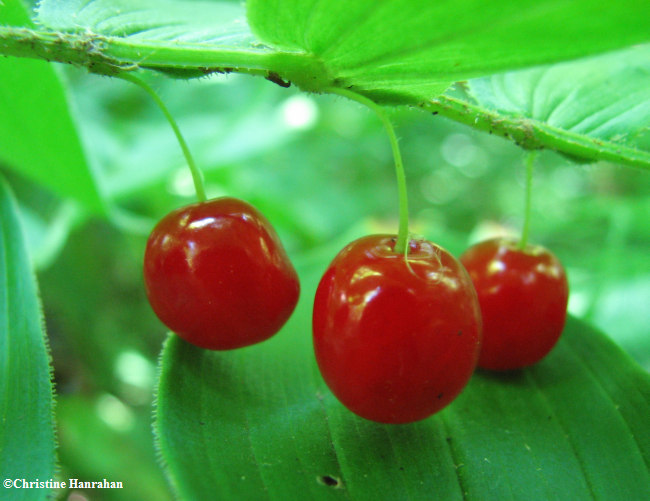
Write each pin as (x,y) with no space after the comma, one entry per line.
(259,423)
(27,432)
(410,50)
(592,109)
(409,53)
(219,24)
(394,50)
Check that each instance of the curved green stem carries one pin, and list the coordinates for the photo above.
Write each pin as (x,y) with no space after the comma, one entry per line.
(403,232)
(197,176)
(530,161)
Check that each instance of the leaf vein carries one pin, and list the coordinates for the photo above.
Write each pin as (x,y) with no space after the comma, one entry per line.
(551,408)
(454,456)
(598,381)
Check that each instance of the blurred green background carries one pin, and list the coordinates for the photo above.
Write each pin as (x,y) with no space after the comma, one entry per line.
(321,170)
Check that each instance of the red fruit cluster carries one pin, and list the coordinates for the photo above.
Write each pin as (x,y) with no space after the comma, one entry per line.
(396,335)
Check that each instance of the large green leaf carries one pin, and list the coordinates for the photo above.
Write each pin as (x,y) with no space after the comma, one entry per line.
(593,109)
(38,136)
(400,49)
(394,50)
(27,431)
(259,423)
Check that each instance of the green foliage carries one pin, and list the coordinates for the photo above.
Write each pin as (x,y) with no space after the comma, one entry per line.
(37,133)
(208,22)
(601,96)
(396,52)
(408,51)
(27,432)
(604,98)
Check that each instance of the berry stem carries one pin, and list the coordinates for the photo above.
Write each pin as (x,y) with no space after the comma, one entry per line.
(530,161)
(197,175)
(401,246)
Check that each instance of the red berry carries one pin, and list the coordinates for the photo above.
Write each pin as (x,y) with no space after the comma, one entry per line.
(396,341)
(217,275)
(523,296)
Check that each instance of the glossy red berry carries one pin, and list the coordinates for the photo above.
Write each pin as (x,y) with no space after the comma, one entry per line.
(394,340)
(217,275)
(523,296)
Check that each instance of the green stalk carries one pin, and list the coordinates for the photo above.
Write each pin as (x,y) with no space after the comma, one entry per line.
(197,176)
(401,245)
(535,135)
(530,161)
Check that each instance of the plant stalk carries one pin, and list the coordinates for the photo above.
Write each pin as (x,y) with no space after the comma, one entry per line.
(197,175)
(401,246)
(530,161)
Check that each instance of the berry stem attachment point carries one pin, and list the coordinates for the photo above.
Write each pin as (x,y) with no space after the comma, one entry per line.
(401,246)
(530,161)
(197,175)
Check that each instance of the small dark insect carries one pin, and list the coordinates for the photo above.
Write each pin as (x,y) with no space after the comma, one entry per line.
(275,78)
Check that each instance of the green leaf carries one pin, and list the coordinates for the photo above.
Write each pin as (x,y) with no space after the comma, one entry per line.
(605,97)
(259,423)
(594,109)
(219,23)
(27,433)
(38,136)
(184,38)
(404,50)
(400,52)
(394,51)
